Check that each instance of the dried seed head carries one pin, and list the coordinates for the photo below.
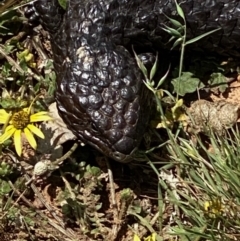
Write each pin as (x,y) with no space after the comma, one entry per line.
(41,168)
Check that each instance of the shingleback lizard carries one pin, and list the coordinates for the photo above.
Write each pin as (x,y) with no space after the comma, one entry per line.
(100,94)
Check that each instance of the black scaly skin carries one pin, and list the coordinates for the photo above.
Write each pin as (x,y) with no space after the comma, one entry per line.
(100,94)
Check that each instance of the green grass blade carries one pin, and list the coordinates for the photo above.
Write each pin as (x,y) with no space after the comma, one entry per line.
(201,36)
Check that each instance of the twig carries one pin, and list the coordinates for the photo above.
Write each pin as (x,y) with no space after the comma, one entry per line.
(17,37)
(115,227)
(67,155)
(38,47)
(111,184)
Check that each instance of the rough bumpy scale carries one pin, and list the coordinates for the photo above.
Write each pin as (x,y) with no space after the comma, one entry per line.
(100,94)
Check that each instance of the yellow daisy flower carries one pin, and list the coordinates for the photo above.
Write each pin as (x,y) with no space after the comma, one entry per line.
(214,207)
(149,238)
(22,122)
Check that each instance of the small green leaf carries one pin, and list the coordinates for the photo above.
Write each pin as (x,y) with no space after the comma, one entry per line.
(187,83)
(166,30)
(9,48)
(171,39)
(141,66)
(177,42)
(181,29)
(201,36)
(63,4)
(175,23)
(172,31)
(163,78)
(154,68)
(4,187)
(218,80)
(180,11)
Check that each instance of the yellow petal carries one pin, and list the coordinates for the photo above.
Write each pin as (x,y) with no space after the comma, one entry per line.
(40,116)
(35,130)
(136,238)
(4,116)
(18,142)
(30,138)
(151,237)
(8,133)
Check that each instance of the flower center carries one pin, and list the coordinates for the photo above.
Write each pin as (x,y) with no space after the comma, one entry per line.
(20,119)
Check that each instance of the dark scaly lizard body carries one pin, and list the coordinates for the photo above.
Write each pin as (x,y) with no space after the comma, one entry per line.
(100,94)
